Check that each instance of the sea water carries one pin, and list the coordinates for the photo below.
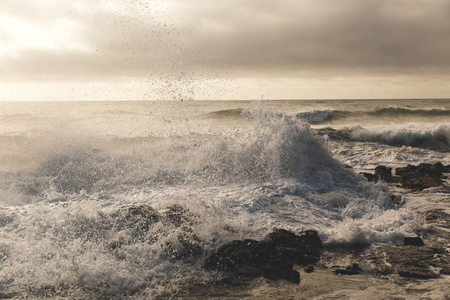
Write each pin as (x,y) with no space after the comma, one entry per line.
(69,171)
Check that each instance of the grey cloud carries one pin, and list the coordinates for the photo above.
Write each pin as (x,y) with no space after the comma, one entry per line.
(358,34)
(247,38)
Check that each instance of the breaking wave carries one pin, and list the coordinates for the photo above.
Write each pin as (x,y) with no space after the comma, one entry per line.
(95,222)
(324,116)
(434,138)
(329,115)
(224,114)
(315,116)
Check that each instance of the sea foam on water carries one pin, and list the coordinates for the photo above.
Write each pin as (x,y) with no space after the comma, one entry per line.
(67,227)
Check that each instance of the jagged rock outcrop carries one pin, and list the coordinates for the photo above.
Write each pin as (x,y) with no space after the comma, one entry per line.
(422,176)
(273,257)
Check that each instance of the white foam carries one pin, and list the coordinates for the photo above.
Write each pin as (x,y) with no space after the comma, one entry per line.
(241,183)
(433,136)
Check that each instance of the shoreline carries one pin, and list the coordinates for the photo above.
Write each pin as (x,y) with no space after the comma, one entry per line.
(389,271)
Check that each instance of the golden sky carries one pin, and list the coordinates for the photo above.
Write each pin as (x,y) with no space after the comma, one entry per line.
(233,49)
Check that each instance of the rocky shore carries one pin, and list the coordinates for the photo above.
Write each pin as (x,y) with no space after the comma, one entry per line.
(415,178)
(300,267)
(297,265)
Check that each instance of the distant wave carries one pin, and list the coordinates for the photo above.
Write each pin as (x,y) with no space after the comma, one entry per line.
(328,115)
(435,138)
(323,116)
(224,114)
(315,115)
(16,117)
(398,111)
(121,112)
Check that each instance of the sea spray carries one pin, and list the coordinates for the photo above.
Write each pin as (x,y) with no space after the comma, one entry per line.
(415,134)
(72,234)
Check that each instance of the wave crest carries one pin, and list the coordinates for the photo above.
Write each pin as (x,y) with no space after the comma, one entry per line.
(433,138)
(315,116)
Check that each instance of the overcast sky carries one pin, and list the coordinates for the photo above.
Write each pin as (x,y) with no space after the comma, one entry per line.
(231,49)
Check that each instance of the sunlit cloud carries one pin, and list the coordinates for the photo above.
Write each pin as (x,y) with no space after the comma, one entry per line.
(23,35)
(233,41)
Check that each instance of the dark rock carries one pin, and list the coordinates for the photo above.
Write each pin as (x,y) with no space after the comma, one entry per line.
(437,216)
(422,176)
(273,257)
(407,261)
(187,245)
(419,273)
(370,177)
(139,218)
(284,245)
(395,202)
(286,273)
(179,215)
(413,241)
(309,269)
(243,257)
(136,217)
(349,270)
(384,173)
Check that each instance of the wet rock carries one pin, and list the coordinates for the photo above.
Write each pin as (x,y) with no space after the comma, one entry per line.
(413,241)
(349,270)
(370,177)
(179,215)
(384,173)
(242,257)
(309,269)
(406,261)
(437,216)
(273,257)
(416,272)
(136,218)
(395,202)
(284,245)
(422,176)
(282,272)
(187,245)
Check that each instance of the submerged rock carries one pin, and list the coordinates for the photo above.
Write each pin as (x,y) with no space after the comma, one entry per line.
(395,202)
(242,257)
(187,245)
(137,221)
(416,272)
(413,241)
(406,261)
(179,215)
(282,272)
(354,269)
(370,177)
(273,257)
(309,269)
(284,245)
(422,176)
(384,173)
(438,216)
(136,218)
(411,177)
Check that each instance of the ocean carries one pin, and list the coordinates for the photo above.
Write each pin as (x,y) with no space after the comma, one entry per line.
(73,176)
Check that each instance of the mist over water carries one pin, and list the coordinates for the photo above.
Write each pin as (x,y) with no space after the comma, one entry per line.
(71,173)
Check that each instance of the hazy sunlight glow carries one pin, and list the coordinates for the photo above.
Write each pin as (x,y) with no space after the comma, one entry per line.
(23,35)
